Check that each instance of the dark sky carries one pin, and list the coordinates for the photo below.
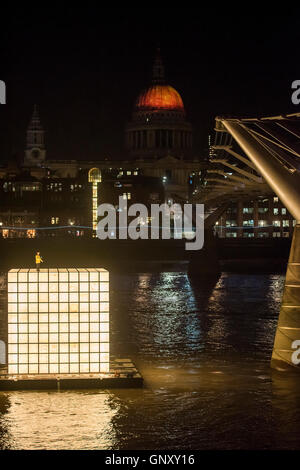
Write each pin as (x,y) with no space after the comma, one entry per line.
(85,68)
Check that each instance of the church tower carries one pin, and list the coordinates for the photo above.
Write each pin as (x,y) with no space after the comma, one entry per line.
(35,153)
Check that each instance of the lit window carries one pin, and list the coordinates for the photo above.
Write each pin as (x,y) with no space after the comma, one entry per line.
(276,223)
(263,234)
(262,210)
(285,223)
(283,211)
(231,223)
(276,211)
(275,199)
(262,223)
(126,195)
(31,233)
(231,235)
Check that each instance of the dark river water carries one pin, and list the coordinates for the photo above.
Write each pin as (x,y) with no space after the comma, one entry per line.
(204,351)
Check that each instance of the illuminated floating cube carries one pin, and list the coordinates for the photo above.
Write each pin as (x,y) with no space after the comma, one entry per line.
(58,321)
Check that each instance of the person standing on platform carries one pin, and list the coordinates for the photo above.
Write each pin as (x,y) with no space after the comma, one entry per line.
(38,260)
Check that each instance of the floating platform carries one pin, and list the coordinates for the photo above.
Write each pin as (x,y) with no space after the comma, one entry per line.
(123,374)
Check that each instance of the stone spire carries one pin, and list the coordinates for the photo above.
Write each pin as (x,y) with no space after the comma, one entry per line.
(35,131)
(35,152)
(158,75)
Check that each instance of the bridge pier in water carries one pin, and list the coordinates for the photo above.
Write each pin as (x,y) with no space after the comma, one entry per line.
(205,262)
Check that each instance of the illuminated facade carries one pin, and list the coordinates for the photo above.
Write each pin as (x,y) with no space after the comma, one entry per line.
(158,126)
(58,321)
(94,178)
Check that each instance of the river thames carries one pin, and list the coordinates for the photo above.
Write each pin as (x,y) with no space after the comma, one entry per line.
(204,351)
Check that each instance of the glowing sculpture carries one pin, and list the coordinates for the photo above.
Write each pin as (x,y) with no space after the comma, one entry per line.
(58,321)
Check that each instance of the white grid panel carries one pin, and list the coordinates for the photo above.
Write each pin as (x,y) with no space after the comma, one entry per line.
(58,321)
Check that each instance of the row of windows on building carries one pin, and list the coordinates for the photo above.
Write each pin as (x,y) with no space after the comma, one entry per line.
(10,186)
(263,210)
(56,220)
(259,235)
(32,233)
(59,187)
(261,223)
(278,228)
(127,173)
(163,138)
(262,204)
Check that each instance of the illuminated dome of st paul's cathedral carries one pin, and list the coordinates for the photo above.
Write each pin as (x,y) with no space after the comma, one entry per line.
(160,97)
(158,126)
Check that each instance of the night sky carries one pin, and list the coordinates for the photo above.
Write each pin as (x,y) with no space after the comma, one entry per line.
(85,67)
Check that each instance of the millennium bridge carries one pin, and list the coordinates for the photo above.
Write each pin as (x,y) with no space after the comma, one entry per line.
(252,156)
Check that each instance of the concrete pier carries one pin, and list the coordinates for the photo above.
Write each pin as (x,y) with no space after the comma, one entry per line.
(205,262)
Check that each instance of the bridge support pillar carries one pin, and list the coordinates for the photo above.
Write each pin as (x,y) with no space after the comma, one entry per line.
(205,262)
(286,350)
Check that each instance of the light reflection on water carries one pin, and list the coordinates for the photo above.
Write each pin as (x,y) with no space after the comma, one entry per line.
(203,349)
(59,420)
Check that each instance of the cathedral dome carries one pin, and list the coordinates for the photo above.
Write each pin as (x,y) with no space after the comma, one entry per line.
(159,97)
(158,126)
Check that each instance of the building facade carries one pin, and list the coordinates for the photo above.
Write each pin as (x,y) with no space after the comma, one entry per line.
(263,217)
(45,198)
